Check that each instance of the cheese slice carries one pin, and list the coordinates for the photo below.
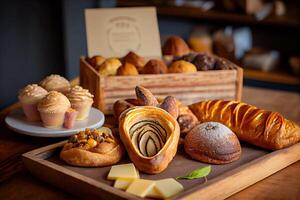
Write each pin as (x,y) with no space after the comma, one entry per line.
(153,193)
(124,171)
(168,187)
(122,183)
(140,187)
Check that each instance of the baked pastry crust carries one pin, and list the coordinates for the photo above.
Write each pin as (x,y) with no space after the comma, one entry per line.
(262,128)
(175,46)
(102,154)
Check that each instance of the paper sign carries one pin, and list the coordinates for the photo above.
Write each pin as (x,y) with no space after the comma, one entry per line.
(113,32)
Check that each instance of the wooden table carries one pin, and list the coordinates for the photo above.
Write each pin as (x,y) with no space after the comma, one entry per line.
(17,183)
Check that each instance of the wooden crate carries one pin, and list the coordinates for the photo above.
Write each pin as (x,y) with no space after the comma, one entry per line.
(186,87)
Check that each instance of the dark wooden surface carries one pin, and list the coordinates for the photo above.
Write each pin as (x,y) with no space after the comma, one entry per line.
(17,183)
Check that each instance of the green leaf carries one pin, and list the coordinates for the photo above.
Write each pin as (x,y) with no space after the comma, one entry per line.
(197,173)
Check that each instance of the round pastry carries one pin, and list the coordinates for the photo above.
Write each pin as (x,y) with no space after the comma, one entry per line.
(134,59)
(212,142)
(92,148)
(204,62)
(96,61)
(175,46)
(29,98)
(81,100)
(110,67)
(182,66)
(52,109)
(154,66)
(55,82)
(222,63)
(127,69)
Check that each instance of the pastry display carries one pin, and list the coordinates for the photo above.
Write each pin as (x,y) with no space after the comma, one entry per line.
(55,82)
(81,100)
(134,59)
(155,66)
(96,61)
(150,136)
(212,142)
(182,66)
(127,69)
(109,67)
(262,128)
(92,148)
(52,109)
(175,46)
(29,98)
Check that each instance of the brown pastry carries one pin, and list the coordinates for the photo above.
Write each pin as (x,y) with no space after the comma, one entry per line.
(212,142)
(155,66)
(122,105)
(188,57)
(127,69)
(186,119)
(175,46)
(262,128)
(204,62)
(96,61)
(182,66)
(92,148)
(169,104)
(150,136)
(109,67)
(222,64)
(145,97)
(134,59)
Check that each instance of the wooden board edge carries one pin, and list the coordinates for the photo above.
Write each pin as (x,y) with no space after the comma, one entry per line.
(239,84)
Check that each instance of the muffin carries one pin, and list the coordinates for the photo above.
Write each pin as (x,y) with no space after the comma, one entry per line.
(175,46)
(127,69)
(134,59)
(154,66)
(182,66)
(29,98)
(55,82)
(96,61)
(52,109)
(81,100)
(109,67)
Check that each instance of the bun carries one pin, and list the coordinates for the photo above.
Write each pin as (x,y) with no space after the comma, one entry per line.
(154,66)
(212,142)
(175,46)
(262,128)
(182,66)
(96,61)
(110,67)
(127,69)
(134,59)
(204,62)
(186,119)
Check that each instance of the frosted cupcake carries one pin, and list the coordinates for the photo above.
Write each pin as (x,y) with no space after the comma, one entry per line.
(55,82)
(81,100)
(52,109)
(29,98)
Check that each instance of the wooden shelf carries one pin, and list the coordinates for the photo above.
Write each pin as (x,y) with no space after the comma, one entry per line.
(219,16)
(275,77)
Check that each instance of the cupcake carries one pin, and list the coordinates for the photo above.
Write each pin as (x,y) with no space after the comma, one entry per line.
(55,82)
(52,109)
(29,98)
(81,100)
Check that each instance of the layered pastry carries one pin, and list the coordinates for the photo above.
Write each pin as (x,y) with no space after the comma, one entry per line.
(29,97)
(150,136)
(55,82)
(96,61)
(109,67)
(175,46)
(81,100)
(182,66)
(127,69)
(92,148)
(134,59)
(155,66)
(52,109)
(212,142)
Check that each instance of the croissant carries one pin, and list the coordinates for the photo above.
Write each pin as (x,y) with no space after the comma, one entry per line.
(262,128)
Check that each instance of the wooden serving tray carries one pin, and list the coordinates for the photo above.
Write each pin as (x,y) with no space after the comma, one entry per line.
(224,180)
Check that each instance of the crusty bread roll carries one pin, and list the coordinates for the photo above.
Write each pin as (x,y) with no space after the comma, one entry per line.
(262,128)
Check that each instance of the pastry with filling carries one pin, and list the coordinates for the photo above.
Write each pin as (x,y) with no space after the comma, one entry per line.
(92,148)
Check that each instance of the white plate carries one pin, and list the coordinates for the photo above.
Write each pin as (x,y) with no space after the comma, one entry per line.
(17,122)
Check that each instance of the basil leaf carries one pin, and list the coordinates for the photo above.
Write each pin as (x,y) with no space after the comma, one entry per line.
(197,173)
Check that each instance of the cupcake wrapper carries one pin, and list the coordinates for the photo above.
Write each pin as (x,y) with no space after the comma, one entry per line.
(31,112)
(52,120)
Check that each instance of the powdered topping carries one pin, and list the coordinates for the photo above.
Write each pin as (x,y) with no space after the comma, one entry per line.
(55,82)
(78,94)
(214,131)
(54,102)
(32,94)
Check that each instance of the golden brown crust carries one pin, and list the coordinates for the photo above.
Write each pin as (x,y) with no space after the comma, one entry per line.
(145,97)
(134,59)
(182,66)
(122,105)
(154,66)
(262,128)
(169,104)
(186,119)
(127,69)
(175,46)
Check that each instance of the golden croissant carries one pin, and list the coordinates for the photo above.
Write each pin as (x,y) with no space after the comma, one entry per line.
(262,128)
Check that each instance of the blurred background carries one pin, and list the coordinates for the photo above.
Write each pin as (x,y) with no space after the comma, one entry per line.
(39,38)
